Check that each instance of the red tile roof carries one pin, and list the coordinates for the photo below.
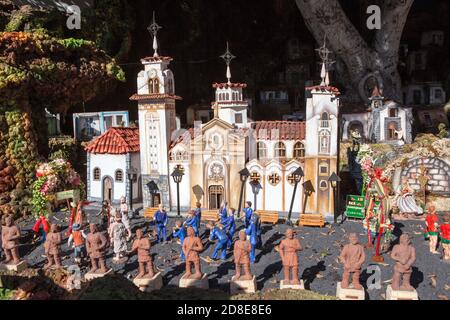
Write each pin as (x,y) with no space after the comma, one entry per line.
(279,130)
(156,59)
(376,92)
(116,140)
(154,96)
(324,88)
(229,85)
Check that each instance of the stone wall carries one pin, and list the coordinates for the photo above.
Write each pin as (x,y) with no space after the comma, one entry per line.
(438,170)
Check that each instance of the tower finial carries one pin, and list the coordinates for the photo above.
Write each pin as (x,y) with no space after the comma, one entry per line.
(153,29)
(228,56)
(324,55)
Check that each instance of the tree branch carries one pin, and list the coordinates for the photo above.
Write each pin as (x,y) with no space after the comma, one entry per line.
(328,17)
(393,18)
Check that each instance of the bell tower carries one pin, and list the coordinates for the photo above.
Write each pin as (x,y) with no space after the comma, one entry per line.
(321,150)
(157,120)
(230,103)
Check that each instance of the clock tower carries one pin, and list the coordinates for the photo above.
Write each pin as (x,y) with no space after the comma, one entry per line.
(157,121)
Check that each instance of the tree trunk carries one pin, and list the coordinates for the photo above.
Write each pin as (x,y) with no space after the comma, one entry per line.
(364,65)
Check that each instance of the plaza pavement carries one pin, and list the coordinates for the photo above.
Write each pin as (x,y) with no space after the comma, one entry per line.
(319,267)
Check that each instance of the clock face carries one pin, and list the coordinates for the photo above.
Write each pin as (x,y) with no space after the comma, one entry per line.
(152,73)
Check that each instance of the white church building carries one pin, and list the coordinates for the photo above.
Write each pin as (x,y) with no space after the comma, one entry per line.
(212,154)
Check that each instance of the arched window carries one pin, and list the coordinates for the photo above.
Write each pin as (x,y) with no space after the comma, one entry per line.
(280,150)
(119,175)
(227,96)
(153,85)
(323,185)
(391,130)
(299,150)
(261,150)
(97,174)
(324,142)
(324,120)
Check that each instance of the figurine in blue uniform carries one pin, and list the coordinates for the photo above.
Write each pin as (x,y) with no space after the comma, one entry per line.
(230,226)
(179,232)
(218,232)
(198,213)
(223,211)
(248,211)
(192,221)
(161,219)
(254,233)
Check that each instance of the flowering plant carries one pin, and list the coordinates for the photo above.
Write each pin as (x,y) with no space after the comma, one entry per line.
(52,177)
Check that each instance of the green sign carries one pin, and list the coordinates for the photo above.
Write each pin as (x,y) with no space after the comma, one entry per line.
(68,194)
(355,207)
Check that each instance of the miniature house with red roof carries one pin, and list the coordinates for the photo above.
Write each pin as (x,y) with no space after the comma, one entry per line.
(111,157)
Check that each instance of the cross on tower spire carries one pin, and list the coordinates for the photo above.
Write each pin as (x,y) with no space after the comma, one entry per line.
(324,55)
(153,28)
(227,57)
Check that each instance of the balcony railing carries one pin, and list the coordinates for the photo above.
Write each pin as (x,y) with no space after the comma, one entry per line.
(324,123)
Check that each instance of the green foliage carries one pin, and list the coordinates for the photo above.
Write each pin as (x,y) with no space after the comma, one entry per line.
(39,200)
(63,147)
(72,43)
(443,132)
(6,294)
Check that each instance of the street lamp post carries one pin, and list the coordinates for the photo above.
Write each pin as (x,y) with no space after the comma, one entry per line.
(297,175)
(243,174)
(132,176)
(256,186)
(334,180)
(177,176)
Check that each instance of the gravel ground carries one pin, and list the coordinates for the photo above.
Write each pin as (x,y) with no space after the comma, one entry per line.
(319,267)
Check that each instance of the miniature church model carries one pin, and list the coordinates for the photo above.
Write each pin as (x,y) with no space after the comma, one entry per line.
(211,155)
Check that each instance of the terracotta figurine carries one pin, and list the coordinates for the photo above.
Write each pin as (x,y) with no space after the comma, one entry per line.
(431,232)
(192,245)
(10,241)
(404,254)
(96,246)
(242,249)
(445,237)
(288,252)
(52,247)
(352,256)
(142,246)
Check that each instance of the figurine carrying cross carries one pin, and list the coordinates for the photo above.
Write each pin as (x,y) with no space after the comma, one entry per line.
(153,29)
(227,57)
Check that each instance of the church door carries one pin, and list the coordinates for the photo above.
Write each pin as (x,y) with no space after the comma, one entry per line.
(215,197)
(108,189)
(156,199)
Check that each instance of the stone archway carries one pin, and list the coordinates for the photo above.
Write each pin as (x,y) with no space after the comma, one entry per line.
(355,125)
(437,169)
